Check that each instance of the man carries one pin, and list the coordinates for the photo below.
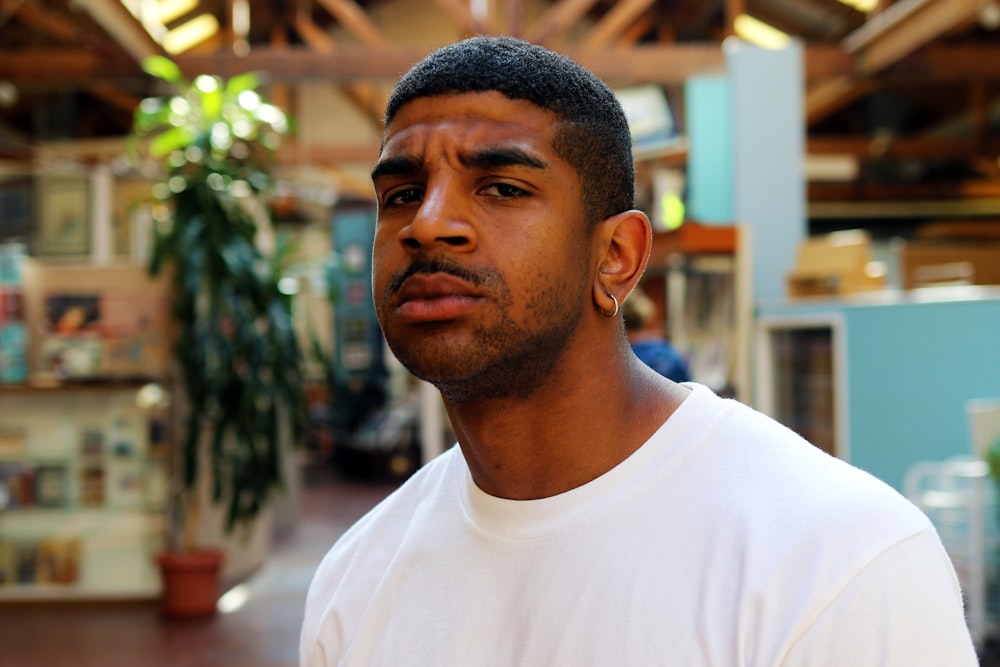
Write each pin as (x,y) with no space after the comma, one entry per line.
(594,512)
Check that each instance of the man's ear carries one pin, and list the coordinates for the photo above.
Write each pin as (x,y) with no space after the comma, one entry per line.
(624,242)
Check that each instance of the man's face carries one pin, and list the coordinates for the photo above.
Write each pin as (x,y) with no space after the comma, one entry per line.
(482,259)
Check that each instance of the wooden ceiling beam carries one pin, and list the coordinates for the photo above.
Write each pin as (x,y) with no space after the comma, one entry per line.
(460,13)
(905,27)
(886,38)
(557,20)
(667,64)
(661,64)
(114,96)
(844,196)
(356,21)
(828,95)
(123,27)
(364,95)
(946,62)
(635,32)
(621,15)
(872,148)
(44,67)
(45,22)
(327,154)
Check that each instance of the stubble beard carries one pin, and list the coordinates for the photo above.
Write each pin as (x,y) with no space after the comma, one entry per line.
(500,358)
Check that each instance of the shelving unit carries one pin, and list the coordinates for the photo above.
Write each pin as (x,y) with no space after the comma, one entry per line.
(83,482)
(695,272)
(83,466)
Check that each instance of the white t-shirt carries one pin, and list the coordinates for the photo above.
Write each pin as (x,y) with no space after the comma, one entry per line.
(725,540)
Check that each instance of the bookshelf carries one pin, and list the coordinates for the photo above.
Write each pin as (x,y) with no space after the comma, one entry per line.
(83,478)
(83,466)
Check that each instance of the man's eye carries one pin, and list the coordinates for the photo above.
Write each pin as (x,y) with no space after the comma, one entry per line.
(404,196)
(505,190)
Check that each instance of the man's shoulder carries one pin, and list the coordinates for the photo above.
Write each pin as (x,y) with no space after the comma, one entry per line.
(387,521)
(781,475)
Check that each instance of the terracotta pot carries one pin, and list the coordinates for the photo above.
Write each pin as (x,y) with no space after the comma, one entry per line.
(191,582)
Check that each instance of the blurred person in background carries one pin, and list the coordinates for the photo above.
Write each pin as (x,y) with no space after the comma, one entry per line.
(648,341)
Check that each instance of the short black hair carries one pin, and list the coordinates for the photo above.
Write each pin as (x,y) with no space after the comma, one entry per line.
(594,136)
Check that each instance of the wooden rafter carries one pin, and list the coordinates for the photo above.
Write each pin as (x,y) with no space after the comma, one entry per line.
(892,34)
(354,19)
(462,15)
(621,15)
(865,147)
(45,22)
(365,95)
(669,65)
(904,27)
(127,31)
(559,18)
(666,64)
(62,29)
(637,30)
(114,96)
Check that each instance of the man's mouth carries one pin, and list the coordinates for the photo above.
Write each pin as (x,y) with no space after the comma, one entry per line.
(435,297)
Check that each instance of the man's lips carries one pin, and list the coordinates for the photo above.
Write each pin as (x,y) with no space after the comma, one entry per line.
(434,297)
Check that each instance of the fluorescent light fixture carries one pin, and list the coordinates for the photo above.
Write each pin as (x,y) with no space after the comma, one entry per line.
(171,10)
(861,5)
(759,33)
(186,35)
(838,168)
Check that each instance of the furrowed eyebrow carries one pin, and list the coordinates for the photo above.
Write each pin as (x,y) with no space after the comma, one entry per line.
(394,166)
(503,157)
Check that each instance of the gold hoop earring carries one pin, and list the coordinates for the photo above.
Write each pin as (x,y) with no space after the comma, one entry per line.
(613,312)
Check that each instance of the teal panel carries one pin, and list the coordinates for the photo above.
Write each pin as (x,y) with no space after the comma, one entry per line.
(709,127)
(911,369)
(768,155)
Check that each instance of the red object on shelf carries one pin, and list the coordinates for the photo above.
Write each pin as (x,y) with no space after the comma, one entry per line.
(693,238)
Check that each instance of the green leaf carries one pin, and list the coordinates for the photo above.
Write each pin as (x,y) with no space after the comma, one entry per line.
(211,104)
(162,68)
(173,139)
(241,82)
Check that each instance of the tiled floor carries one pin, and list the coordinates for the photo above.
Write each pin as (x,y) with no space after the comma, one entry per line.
(261,633)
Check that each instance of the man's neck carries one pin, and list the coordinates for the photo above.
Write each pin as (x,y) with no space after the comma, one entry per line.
(564,435)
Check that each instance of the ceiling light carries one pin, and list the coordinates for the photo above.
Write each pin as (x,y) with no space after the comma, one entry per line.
(186,35)
(989,16)
(759,33)
(171,10)
(861,5)
(9,94)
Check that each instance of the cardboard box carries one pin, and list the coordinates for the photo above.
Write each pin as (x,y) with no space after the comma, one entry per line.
(929,263)
(835,264)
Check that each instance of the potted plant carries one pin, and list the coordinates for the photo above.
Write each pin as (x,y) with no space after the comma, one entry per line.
(235,356)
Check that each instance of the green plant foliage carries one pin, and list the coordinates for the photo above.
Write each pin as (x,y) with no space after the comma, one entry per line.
(235,345)
(993,459)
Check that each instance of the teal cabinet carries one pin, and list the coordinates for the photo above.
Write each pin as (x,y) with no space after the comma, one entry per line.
(903,366)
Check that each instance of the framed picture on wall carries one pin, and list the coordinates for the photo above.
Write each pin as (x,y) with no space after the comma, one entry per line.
(15,209)
(63,226)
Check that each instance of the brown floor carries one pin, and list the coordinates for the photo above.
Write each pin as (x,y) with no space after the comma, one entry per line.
(262,633)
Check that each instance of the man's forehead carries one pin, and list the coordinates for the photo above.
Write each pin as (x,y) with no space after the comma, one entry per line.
(470,134)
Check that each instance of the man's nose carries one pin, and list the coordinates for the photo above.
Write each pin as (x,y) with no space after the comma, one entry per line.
(443,218)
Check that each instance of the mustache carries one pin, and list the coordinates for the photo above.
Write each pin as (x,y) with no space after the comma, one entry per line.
(438,265)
